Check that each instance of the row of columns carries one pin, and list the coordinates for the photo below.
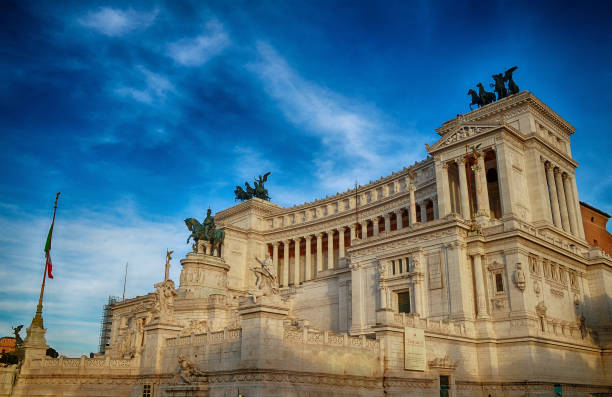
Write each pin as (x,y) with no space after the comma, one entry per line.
(480,186)
(319,259)
(562,200)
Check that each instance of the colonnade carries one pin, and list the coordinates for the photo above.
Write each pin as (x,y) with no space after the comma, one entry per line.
(562,199)
(313,262)
(483,207)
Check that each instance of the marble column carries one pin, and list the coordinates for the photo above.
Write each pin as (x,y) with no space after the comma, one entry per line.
(387,223)
(353,232)
(485,209)
(424,211)
(341,231)
(478,187)
(330,249)
(398,216)
(552,190)
(463,188)
(319,252)
(296,263)
(571,207)
(413,217)
(364,230)
(308,264)
(286,263)
(416,289)
(435,205)
(562,202)
(481,302)
(375,226)
(275,256)
(442,188)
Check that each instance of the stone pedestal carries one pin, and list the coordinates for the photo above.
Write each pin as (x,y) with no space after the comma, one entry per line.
(262,331)
(35,345)
(202,275)
(154,341)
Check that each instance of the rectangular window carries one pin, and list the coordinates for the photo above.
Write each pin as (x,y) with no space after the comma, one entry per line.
(403,302)
(147,391)
(499,283)
(393,267)
(400,266)
(444,386)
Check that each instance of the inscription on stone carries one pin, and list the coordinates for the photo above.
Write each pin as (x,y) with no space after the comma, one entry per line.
(414,349)
(435,275)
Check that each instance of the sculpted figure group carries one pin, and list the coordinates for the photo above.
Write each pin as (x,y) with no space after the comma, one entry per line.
(484,97)
(249,192)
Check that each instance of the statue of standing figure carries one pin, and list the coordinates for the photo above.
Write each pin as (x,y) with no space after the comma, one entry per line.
(265,276)
(163,307)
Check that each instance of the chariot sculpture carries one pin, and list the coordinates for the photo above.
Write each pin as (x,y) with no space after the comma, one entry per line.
(483,97)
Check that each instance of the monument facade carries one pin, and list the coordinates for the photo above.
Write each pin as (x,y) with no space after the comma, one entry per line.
(466,274)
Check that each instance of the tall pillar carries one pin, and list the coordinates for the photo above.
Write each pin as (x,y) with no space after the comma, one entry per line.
(463,188)
(442,188)
(353,232)
(485,208)
(435,205)
(330,249)
(375,226)
(413,217)
(319,252)
(423,212)
(552,190)
(571,207)
(364,230)
(398,216)
(286,263)
(480,288)
(387,222)
(275,257)
(308,264)
(562,202)
(577,207)
(416,289)
(296,263)
(341,231)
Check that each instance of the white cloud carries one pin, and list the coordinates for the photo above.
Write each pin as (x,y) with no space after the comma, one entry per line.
(115,22)
(356,140)
(153,87)
(197,51)
(89,253)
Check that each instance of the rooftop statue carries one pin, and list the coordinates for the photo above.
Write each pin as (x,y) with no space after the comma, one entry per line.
(484,97)
(249,192)
(500,87)
(512,87)
(205,231)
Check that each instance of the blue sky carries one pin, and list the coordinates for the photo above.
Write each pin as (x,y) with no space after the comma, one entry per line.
(145,113)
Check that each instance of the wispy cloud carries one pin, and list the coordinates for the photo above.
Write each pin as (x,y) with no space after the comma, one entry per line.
(197,51)
(116,22)
(356,139)
(152,87)
(89,252)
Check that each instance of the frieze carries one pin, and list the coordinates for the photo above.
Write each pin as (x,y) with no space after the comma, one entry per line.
(297,377)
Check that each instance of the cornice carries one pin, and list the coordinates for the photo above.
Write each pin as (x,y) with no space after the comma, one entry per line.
(259,206)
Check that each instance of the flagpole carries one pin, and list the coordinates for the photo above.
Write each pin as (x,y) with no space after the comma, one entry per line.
(38,320)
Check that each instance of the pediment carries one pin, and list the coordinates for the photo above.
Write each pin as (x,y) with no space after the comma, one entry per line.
(461,133)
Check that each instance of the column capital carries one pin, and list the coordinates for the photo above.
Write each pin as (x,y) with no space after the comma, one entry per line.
(547,164)
(445,165)
(387,215)
(460,160)
(556,170)
(319,235)
(308,238)
(565,176)
(286,241)
(276,244)
(297,239)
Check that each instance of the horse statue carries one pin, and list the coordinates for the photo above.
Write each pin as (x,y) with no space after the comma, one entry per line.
(512,87)
(249,192)
(475,98)
(205,231)
(500,87)
(485,96)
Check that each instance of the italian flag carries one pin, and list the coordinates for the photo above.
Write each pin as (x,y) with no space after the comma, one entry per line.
(49,265)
